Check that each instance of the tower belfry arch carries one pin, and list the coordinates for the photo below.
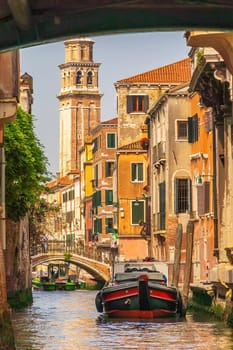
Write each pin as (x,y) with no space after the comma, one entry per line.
(79,101)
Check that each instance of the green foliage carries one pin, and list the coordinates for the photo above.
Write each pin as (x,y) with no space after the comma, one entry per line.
(201,297)
(20,299)
(26,166)
(230,319)
(218,311)
(200,56)
(67,256)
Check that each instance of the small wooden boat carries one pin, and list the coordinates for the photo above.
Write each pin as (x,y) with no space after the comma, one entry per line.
(140,291)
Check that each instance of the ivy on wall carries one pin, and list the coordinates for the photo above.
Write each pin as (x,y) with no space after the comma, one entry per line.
(26,166)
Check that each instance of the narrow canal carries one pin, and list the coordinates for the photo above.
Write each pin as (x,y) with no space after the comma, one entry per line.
(68,321)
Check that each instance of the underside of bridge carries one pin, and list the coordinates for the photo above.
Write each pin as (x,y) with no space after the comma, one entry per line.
(26,23)
(99,271)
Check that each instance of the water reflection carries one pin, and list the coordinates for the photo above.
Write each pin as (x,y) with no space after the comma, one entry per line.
(68,321)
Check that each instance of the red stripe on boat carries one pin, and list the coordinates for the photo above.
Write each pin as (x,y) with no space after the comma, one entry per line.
(160,313)
(119,294)
(160,294)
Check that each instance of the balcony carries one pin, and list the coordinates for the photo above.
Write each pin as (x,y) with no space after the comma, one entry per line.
(159,222)
(159,155)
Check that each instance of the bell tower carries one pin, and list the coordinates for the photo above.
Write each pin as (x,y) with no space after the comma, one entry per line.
(79,101)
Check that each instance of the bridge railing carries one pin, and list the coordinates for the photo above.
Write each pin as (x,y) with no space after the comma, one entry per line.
(64,247)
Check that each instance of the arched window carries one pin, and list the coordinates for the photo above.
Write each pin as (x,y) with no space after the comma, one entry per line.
(78,77)
(89,77)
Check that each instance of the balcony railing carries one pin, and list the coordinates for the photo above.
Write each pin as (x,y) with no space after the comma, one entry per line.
(159,152)
(63,247)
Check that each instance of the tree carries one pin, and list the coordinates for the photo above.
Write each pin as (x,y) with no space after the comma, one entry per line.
(26,166)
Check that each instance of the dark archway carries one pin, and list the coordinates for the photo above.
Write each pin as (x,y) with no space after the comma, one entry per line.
(27,23)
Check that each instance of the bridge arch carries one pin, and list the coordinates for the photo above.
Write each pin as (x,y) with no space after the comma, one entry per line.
(100,271)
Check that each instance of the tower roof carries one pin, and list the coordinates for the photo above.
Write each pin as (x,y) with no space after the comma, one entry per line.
(177,72)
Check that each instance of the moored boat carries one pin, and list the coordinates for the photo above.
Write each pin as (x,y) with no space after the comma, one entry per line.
(57,279)
(139,291)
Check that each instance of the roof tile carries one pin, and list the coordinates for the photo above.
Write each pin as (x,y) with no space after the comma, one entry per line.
(177,72)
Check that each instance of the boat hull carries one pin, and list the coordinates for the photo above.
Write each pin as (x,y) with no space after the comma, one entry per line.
(140,300)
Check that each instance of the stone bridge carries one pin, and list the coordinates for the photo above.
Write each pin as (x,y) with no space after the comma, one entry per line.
(99,270)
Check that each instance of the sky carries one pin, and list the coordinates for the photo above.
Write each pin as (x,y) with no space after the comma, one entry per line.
(121,56)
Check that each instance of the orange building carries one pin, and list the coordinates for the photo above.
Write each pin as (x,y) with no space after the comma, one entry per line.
(203,174)
(132,205)
(104,148)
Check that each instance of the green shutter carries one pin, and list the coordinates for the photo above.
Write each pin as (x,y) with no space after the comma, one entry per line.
(162,205)
(137,212)
(176,195)
(94,202)
(100,225)
(190,130)
(140,171)
(195,127)
(133,171)
(111,140)
(108,197)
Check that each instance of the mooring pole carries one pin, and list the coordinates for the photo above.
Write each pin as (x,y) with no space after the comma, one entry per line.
(188,264)
(176,270)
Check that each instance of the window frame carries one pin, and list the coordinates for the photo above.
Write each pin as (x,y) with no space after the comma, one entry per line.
(136,179)
(187,208)
(109,167)
(110,140)
(138,103)
(108,221)
(109,197)
(135,222)
(180,137)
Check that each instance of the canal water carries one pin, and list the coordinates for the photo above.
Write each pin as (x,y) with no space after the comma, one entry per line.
(68,321)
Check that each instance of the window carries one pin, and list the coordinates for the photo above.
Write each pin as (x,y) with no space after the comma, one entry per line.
(96,176)
(182,129)
(203,198)
(64,197)
(193,128)
(137,172)
(109,225)
(89,77)
(71,195)
(69,217)
(111,140)
(183,195)
(98,226)
(137,103)
(78,77)
(108,197)
(96,199)
(96,145)
(137,212)
(109,166)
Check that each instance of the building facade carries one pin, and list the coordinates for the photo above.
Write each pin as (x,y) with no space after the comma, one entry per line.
(171,181)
